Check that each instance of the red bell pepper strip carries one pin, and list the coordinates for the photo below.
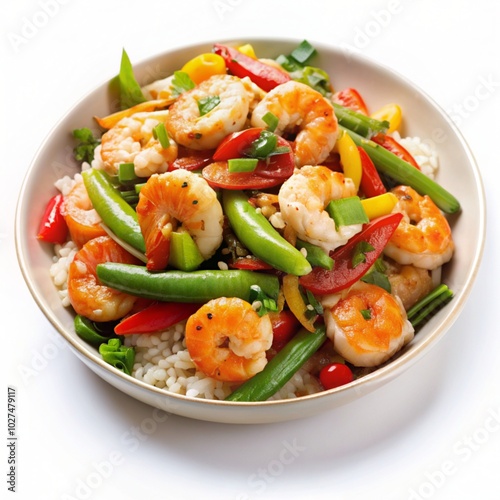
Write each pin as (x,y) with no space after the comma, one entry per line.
(376,233)
(389,143)
(263,75)
(53,227)
(350,98)
(371,183)
(156,317)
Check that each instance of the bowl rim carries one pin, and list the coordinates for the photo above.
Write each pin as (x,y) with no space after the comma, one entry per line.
(381,374)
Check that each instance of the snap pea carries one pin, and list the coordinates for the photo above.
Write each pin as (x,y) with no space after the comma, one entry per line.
(114,211)
(182,286)
(316,255)
(281,368)
(401,171)
(258,235)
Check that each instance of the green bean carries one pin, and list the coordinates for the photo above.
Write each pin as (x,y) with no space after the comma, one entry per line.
(114,211)
(258,235)
(281,368)
(182,286)
(359,123)
(401,171)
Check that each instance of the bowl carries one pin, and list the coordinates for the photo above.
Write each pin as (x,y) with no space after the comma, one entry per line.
(379,85)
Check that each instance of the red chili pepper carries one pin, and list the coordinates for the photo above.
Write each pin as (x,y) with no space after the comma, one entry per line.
(376,233)
(350,98)
(371,183)
(250,263)
(389,143)
(285,326)
(263,75)
(156,317)
(53,227)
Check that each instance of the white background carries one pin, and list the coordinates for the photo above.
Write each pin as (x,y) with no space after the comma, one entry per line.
(432,433)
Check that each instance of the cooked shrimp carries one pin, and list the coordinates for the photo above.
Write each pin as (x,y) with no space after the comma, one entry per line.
(86,294)
(423,237)
(303,198)
(131,140)
(227,339)
(367,325)
(299,107)
(173,198)
(409,283)
(83,221)
(195,131)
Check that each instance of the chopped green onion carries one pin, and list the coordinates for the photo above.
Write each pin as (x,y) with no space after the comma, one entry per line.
(263,146)
(181,83)
(366,313)
(126,173)
(161,135)
(429,304)
(313,301)
(265,303)
(271,121)
(119,356)
(139,186)
(242,164)
(206,104)
(303,52)
(347,211)
(377,278)
(359,253)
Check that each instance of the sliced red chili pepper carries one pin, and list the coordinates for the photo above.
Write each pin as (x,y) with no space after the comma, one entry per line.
(376,233)
(53,227)
(371,183)
(191,159)
(156,317)
(265,76)
(235,145)
(218,176)
(389,143)
(285,326)
(350,98)
(251,263)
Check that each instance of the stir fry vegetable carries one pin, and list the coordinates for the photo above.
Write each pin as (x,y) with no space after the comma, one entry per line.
(242,214)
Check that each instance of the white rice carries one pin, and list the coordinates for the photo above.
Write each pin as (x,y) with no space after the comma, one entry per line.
(425,155)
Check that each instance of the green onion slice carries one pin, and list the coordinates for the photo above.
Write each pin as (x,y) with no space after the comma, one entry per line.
(303,52)
(347,211)
(359,253)
(271,121)
(160,134)
(242,164)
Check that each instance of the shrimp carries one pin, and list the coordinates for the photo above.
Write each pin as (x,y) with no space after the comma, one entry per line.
(81,218)
(298,106)
(303,198)
(131,140)
(423,237)
(173,197)
(227,339)
(232,100)
(367,325)
(86,294)
(409,283)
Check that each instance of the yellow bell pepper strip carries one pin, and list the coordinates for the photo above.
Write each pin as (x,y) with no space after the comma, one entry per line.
(296,303)
(248,50)
(202,67)
(110,121)
(391,113)
(391,165)
(380,205)
(281,368)
(350,159)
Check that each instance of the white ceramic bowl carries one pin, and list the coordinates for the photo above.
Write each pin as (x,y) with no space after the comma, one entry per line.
(458,174)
